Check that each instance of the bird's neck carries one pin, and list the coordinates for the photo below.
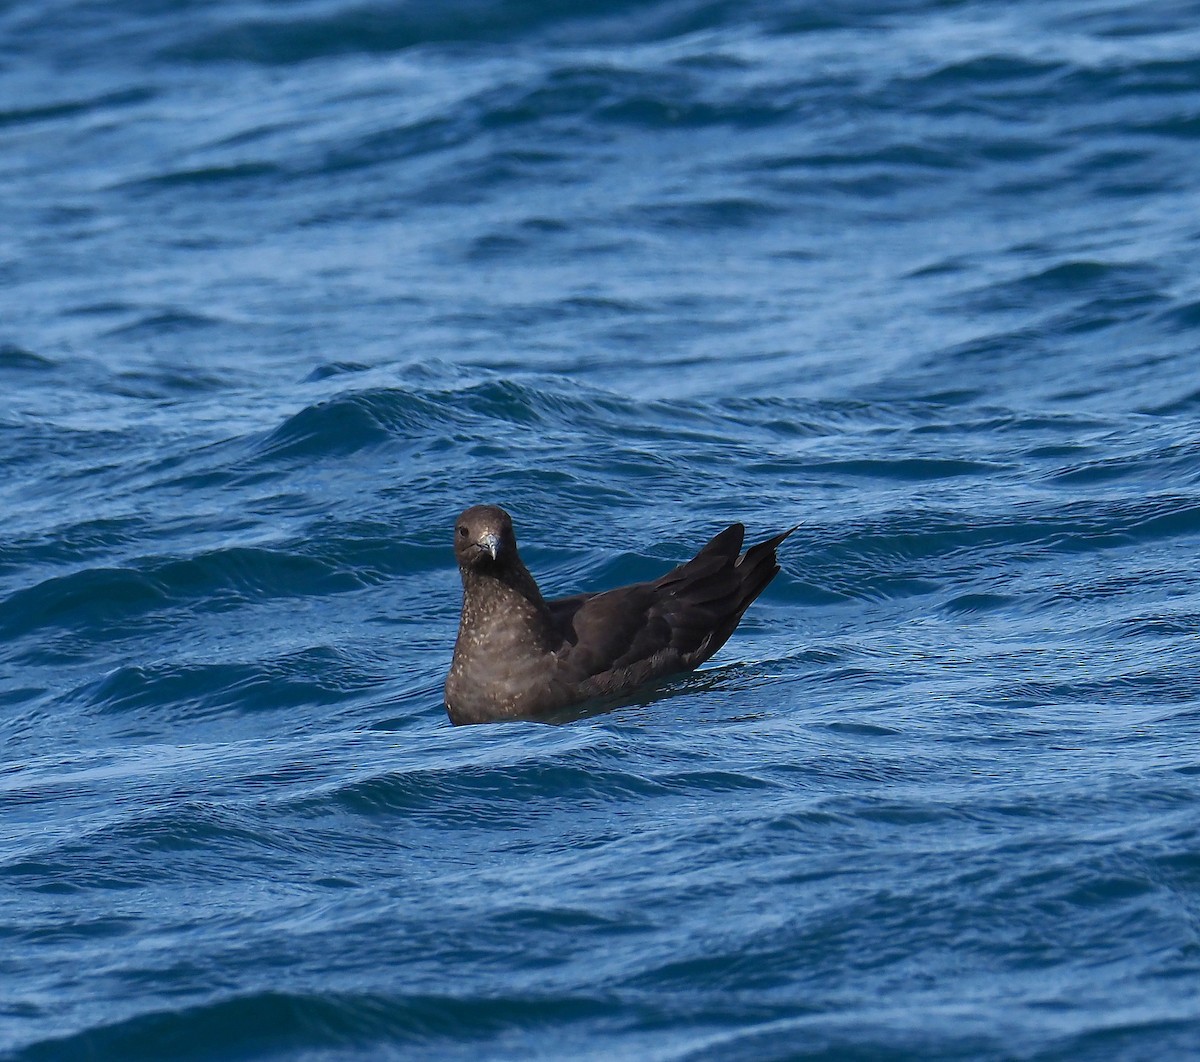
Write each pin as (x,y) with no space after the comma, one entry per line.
(502,595)
(513,578)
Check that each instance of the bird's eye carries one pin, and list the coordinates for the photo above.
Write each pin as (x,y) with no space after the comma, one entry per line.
(462,532)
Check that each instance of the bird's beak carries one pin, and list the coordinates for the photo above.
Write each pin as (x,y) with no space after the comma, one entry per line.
(490,543)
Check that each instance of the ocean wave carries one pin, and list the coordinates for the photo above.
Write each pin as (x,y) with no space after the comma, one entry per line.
(17,358)
(300,1021)
(318,675)
(101,600)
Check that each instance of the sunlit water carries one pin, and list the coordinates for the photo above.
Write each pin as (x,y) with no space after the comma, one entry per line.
(283,287)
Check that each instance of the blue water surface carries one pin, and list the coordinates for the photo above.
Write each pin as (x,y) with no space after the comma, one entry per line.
(284,286)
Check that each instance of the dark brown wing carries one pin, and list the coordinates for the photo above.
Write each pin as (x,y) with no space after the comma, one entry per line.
(620,638)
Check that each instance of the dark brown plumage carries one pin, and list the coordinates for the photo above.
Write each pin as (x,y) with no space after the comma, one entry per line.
(519,656)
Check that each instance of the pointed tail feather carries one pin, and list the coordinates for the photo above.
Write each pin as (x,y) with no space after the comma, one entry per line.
(743,581)
(758,566)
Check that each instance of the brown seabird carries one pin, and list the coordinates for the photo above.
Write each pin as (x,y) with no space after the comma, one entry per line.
(519,656)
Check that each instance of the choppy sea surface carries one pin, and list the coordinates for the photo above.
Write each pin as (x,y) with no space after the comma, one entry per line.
(284,286)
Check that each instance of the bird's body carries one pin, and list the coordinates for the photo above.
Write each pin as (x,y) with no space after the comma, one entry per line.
(519,656)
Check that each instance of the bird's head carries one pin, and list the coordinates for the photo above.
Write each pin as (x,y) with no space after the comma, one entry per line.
(483,537)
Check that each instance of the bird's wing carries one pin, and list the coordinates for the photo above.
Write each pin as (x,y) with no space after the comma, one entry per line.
(659,625)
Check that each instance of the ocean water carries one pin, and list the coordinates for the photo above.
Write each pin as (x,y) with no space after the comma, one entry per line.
(284,286)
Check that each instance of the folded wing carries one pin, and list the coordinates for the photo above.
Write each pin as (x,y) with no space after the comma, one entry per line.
(621,638)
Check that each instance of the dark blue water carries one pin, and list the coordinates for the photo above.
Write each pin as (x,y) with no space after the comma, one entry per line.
(285,286)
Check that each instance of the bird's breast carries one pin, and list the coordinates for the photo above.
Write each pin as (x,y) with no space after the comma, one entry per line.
(501,660)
